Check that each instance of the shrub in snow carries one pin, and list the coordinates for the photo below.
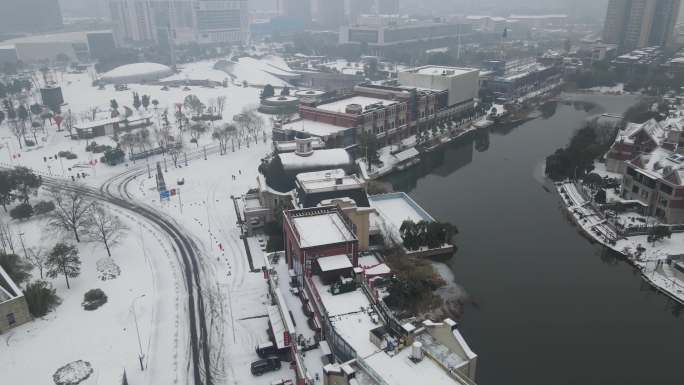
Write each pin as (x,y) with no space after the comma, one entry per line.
(41,298)
(67,154)
(29,143)
(93,299)
(22,211)
(73,373)
(43,207)
(107,269)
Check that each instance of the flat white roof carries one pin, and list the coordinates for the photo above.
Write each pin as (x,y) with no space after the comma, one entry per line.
(439,70)
(322,229)
(314,128)
(332,158)
(364,101)
(323,174)
(395,208)
(335,262)
(401,370)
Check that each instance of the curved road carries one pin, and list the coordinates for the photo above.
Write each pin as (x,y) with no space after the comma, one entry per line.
(114,191)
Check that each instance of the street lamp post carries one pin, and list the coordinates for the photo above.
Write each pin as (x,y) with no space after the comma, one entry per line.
(135,319)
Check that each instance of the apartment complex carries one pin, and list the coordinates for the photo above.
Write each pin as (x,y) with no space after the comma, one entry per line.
(635,24)
(181,21)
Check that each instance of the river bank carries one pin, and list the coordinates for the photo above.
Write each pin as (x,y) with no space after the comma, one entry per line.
(539,300)
(651,259)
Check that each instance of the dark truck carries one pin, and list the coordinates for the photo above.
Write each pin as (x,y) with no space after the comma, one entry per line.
(262,366)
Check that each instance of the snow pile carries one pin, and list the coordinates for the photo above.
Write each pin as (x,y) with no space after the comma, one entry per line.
(107,269)
(73,373)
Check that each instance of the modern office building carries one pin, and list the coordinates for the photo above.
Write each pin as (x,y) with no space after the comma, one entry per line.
(184,21)
(30,16)
(385,31)
(635,24)
(76,46)
(296,9)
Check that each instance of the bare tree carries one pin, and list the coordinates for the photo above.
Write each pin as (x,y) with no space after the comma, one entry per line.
(196,131)
(105,227)
(63,260)
(222,134)
(220,104)
(175,152)
(71,212)
(37,257)
(19,131)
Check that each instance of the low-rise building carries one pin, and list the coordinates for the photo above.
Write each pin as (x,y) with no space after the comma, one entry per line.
(518,78)
(656,181)
(633,140)
(390,112)
(314,187)
(13,307)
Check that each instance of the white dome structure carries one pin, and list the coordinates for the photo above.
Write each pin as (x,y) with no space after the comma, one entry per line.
(136,73)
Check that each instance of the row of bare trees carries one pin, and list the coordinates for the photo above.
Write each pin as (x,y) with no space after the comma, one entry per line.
(74,215)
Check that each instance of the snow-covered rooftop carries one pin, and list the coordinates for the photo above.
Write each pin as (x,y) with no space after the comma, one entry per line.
(363,101)
(322,229)
(442,71)
(314,128)
(395,208)
(137,72)
(334,262)
(331,158)
(328,180)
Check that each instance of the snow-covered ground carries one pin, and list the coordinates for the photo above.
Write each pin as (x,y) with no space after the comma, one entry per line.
(649,257)
(105,337)
(235,295)
(209,214)
(616,89)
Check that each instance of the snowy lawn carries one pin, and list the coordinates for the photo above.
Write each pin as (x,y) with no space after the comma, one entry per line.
(106,337)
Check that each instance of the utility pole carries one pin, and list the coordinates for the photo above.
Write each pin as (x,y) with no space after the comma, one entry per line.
(185,154)
(135,319)
(21,238)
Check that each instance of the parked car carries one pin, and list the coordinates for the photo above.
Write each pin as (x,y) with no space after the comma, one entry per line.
(266,349)
(262,366)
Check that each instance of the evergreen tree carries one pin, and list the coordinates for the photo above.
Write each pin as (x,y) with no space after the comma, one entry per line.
(136,101)
(40,297)
(267,92)
(15,267)
(145,101)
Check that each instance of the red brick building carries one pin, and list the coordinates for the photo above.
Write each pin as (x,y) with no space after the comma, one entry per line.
(314,233)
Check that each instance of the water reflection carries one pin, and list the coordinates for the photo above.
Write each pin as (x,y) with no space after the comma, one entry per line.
(547,306)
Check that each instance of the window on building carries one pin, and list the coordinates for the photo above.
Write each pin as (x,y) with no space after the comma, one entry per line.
(663,202)
(666,189)
(644,194)
(10,319)
(635,189)
(649,182)
(631,171)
